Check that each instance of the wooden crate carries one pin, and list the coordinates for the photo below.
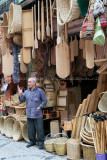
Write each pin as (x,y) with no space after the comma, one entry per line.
(61,100)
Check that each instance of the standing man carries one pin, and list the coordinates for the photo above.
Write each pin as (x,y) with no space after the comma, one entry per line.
(36,100)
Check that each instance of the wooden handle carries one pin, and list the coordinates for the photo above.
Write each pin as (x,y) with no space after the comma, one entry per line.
(66,33)
(51,19)
(47,11)
(35,17)
(32,27)
(42,21)
(38,19)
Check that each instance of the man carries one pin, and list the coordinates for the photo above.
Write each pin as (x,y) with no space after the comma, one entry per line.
(36,100)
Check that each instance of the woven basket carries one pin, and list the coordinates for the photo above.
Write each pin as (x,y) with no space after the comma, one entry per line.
(73,149)
(17,131)
(67,11)
(52,99)
(88,152)
(86,140)
(60,145)
(8,127)
(25,132)
(20,111)
(15,19)
(2,124)
(17,39)
(102,105)
(49,144)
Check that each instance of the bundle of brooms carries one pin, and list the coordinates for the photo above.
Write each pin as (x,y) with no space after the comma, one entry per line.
(99,134)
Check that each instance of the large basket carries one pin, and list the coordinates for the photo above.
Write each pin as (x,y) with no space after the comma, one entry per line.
(73,149)
(88,152)
(15,19)
(60,144)
(20,111)
(25,132)
(49,144)
(2,124)
(102,105)
(17,131)
(8,127)
(67,11)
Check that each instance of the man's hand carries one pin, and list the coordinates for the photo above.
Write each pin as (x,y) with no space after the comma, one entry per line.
(38,107)
(19,90)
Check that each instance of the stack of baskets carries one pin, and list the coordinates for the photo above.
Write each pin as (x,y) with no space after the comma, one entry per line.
(14,126)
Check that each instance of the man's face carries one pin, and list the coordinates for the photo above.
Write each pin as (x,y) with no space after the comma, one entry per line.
(31,84)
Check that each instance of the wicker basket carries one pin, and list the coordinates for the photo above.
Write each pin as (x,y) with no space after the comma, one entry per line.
(67,11)
(17,39)
(88,152)
(20,111)
(2,124)
(15,19)
(73,149)
(102,105)
(60,145)
(49,144)
(25,132)
(8,127)
(17,131)
(52,99)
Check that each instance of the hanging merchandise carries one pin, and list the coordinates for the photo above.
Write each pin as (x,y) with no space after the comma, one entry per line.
(75,47)
(15,19)
(88,27)
(1,36)
(103,20)
(67,11)
(81,44)
(23,66)
(17,39)
(98,8)
(7,64)
(16,50)
(71,50)
(99,37)
(90,52)
(62,59)
(83,5)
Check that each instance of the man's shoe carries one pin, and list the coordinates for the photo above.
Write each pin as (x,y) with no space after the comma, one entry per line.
(30,144)
(41,146)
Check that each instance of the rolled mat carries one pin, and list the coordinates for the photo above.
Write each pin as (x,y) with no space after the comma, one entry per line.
(101,156)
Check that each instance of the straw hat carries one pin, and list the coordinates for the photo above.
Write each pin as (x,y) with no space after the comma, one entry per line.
(17,131)
(15,19)
(102,105)
(67,11)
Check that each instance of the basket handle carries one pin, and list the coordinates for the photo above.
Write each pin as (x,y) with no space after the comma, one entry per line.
(102,93)
(48,135)
(59,134)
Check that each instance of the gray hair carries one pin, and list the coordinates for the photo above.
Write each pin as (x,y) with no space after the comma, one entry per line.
(34,79)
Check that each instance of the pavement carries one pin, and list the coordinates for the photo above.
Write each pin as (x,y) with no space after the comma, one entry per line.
(10,150)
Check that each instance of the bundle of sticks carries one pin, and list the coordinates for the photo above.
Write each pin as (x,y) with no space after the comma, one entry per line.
(100,132)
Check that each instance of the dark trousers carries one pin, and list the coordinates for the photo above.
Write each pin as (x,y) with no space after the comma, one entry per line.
(34,125)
